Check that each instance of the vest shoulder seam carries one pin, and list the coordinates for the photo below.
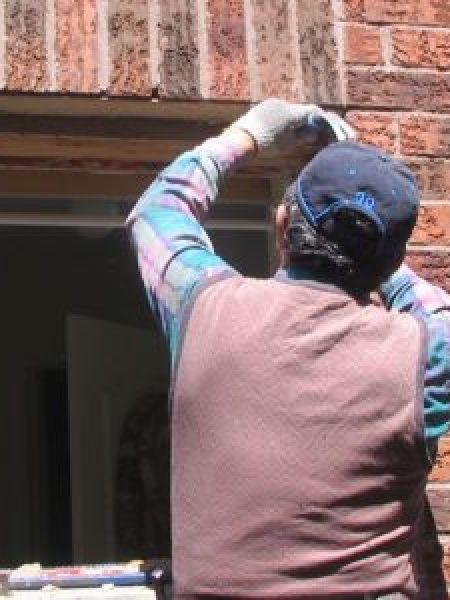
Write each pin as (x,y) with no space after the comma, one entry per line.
(184,321)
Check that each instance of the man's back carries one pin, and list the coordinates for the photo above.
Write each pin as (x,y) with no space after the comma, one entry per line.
(345,219)
(298,454)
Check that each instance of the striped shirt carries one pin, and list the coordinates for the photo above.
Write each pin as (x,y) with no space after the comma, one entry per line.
(175,255)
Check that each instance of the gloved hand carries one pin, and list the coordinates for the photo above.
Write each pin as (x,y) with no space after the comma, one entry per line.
(279,125)
(336,127)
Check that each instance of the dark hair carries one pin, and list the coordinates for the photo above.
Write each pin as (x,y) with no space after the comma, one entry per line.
(344,250)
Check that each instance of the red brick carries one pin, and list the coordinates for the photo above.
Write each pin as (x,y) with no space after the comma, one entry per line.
(378,129)
(433,265)
(354,10)
(129,47)
(425,135)
(398,89)
(440,503)
(441,469)
(227,49)
(433,227)
(362,45)
(417,12)
(76,45)
(178,42)
(433,176)
(319,51)
(421,48)
(276,70)
(26,68)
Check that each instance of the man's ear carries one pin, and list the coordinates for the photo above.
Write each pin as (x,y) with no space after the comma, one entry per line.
(281,228)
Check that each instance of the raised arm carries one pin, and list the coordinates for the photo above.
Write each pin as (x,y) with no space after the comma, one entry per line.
(173,251)
(405,291)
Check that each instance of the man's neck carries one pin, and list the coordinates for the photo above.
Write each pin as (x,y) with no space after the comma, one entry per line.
(323,275)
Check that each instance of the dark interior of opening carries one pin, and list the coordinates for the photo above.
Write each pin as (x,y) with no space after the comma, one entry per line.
(48,274)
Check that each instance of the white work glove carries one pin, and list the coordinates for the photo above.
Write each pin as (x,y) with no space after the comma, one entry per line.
(281,126)
(335,125)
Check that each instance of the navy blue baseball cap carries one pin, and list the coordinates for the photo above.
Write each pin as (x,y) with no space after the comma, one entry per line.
(349,178)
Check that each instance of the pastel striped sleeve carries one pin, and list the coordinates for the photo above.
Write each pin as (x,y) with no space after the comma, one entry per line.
(174,252)
(405,291)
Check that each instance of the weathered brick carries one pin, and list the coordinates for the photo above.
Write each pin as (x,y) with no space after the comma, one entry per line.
(319,51)
(431,264)
(178,41)
(425,135)
(129,47)
(417,12)
(354,10)
(362,45)
(76,45)
(441,469)
(378,129)
(276,70)
(421,48)
(398,89)
(227,49)
(26,68)
(440,503)
(433,175)
(433,227)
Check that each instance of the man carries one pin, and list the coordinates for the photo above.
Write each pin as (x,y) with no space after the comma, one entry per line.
(304,419)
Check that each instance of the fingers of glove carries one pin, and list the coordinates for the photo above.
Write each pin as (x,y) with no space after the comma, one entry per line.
(331,123)
(309,121)
(284,124)
(306,114)
(270,110)
(303,110)
(341,129)
(274,110)
(276,105)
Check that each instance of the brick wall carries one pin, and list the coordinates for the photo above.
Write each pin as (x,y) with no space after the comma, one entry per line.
(385,64)
(396,56)
(171,49)
(397,72)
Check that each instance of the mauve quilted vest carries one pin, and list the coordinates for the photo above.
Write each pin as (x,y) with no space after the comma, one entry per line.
(298,458)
